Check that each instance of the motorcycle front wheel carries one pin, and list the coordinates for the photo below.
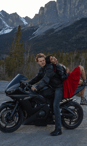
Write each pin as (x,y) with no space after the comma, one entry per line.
(69,120)
(7,124)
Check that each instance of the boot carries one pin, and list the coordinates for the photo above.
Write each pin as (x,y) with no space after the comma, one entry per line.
(83,101)
(56,132)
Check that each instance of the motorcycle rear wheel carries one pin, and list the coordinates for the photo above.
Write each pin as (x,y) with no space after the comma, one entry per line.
(10,125)
(75,120)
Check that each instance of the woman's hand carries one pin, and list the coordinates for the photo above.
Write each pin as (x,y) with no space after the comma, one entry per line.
(67,70)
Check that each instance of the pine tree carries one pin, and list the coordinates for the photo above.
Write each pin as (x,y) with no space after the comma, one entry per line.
(19,50)
(53,53)
(65,60)
(16,56)
(1,63)
(61,57)
(12,48)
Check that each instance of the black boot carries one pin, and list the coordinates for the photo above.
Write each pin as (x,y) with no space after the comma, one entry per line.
(56,132)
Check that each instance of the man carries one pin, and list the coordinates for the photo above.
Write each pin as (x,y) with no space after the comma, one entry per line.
(46,75)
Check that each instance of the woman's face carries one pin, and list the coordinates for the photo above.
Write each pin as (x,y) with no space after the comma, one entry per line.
(53,60)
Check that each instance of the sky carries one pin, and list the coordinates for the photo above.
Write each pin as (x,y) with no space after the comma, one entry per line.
(23,7)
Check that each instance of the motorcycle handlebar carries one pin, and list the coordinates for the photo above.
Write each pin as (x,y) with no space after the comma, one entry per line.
(24,84)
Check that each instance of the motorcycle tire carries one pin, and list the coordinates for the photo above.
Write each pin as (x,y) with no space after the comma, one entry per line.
(74,121)
(10,125)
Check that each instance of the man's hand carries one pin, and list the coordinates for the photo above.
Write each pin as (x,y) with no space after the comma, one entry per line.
(67,70)
(33,88)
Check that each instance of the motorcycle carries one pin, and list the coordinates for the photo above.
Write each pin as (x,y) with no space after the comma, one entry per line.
(31,107)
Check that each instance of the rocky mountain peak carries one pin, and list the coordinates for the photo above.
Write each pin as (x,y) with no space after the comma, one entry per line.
(14,14)
(59,12)
(50,3)
(27,19)
(41,11)
(4,13)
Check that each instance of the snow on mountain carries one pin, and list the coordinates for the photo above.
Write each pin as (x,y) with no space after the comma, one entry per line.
(7,28)
(4,23)
(24,21)
(1,14)
(4,31)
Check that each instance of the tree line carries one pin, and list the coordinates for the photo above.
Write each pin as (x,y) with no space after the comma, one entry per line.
(20,61)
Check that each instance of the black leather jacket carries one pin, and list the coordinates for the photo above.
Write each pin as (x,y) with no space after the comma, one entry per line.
(47,76)
(61,71)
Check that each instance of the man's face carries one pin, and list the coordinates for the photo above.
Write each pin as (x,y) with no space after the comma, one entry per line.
(41,61)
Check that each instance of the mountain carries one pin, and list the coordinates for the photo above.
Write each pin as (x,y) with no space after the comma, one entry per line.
(69,38)
(61,12)
(9,21)
(6,39)
(58,25)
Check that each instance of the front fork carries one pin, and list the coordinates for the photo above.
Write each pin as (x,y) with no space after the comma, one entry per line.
(65,107)
(10,117)
(69,110)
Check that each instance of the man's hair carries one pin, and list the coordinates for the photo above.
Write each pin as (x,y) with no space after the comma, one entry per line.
(39,56)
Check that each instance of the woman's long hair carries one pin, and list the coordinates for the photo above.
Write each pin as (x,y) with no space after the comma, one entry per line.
(48,60)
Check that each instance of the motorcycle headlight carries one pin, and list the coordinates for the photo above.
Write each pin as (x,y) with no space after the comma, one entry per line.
(10,92)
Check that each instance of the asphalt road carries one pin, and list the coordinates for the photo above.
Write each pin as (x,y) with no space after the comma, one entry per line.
(29,135)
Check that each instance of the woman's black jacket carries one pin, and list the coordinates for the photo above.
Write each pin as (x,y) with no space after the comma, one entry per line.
(47,76)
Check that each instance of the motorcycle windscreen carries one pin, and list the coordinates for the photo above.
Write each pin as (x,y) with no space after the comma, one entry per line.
(16,81)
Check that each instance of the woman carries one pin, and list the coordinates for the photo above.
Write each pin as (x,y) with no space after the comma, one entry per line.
(72,80)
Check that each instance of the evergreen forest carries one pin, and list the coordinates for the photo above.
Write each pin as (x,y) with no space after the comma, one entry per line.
(20,61)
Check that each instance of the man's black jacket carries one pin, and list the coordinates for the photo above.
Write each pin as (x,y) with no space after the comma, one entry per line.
(47,76)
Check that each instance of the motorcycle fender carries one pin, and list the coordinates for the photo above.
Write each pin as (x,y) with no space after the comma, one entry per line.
(8,103)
